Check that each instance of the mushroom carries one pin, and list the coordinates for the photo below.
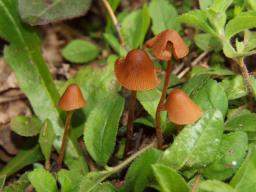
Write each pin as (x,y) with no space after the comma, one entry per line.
(136,72)
(163,45)
(181,109)
(71,100)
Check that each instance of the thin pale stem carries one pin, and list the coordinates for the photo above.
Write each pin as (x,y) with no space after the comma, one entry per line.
(247,81)
(131,111)
(64,139)
(160,106)
(115,22)
(196,183)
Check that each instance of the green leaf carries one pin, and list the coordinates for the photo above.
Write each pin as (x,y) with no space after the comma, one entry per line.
(207,42)
(215,186)
(46,139)
(214,71)
(163,16)
(25,58)
(42,12)
(198,19)
(169,180)
(80,51)
(240,23)
(231,153)
(42,180)
(69,180)
(192,86)
(252,3)
(149,100)
(140,172)
(234,87)
(21,160)
(249,40)
(114,43)
(211,96)
(105,187)
(220,6)
(91,181)
(196,145)
(243,122)
(26,126)
(244,179)
(101,128)
(19,185)
(135,26)
(204,4)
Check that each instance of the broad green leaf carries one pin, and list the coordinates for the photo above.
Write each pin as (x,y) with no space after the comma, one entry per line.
(207,42)
(220,6)
(169,180)
(204,4)
(149,100)
(80,51)
(196,145)
(235,88)
(69,180)
(244,179)
(163,16)
(211,96)
(231,153)
(135,26)
(25,58)
(19,185)
(249,40)
(114,43)
(105,187)
(214,71)
(240,23)
(215,186)
(218,20)
(26,126)
(252,3)
(21,160)
(101,128)
(148,121)
(193,85)
(91,181)
(96,83)
(243,122)
(46,139)
(198,19)
(42,180)
(140,172)
(2,181)
(42,12)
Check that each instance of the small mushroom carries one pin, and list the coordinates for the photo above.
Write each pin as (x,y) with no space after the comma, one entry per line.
(71,100)
(165,44)
(181,109)
(136,72)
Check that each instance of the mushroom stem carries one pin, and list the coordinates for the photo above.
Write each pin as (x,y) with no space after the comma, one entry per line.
(160,107)
(64,139)
(131,110)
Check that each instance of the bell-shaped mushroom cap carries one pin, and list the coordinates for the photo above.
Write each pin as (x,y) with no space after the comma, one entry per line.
(181,109)
(165,43)
(72,98)
(136,72)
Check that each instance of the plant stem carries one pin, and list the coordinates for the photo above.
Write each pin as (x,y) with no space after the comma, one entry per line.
(126,162)
(247,81)
(159,135)
(64,139)
(196,183)
(115,22)
(131,110)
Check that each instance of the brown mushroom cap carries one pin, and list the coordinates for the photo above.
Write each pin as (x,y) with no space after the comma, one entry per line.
(166,42)
(72,98)
(181,109)
(136,72)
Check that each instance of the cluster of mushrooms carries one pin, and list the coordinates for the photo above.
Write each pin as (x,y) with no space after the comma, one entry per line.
(136,72)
